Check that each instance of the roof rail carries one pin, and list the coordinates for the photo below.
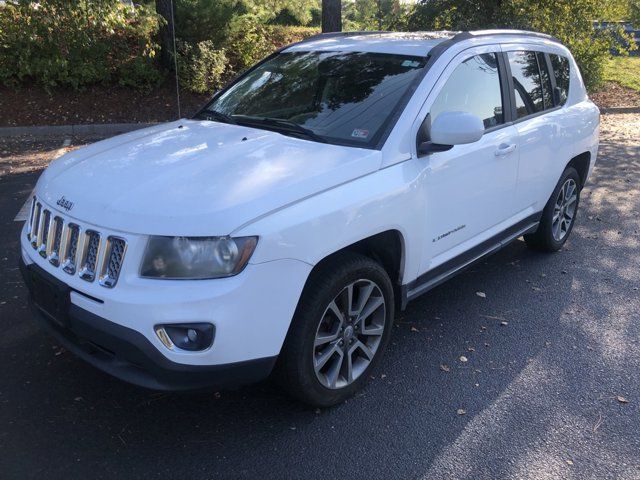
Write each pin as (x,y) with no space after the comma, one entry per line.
(318,36)
(480,33)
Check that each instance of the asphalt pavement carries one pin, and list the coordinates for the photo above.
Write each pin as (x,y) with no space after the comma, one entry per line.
(526,366)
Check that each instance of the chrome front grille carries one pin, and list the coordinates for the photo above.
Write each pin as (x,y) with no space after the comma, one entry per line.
(75,249)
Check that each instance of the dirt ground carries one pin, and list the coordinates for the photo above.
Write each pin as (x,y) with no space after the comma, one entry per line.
(98,104)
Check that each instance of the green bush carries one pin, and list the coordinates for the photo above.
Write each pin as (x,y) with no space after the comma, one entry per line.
(77,42)
(201,66)
(250,41)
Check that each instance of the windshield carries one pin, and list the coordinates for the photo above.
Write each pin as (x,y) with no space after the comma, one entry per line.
(337,97)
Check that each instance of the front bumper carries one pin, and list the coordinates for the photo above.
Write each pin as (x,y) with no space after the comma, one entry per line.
(129,355)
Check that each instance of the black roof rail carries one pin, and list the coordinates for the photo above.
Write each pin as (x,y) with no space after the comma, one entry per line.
(523,33)
(318,36)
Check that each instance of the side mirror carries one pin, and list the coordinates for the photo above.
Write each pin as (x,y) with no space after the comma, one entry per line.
(452,128)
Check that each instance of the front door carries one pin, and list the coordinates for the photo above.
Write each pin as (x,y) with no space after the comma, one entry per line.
(469,190)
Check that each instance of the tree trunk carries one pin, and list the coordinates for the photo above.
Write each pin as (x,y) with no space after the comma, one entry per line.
(331,16)
(163,8)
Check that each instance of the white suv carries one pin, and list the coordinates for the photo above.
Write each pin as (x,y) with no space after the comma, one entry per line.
(327,186)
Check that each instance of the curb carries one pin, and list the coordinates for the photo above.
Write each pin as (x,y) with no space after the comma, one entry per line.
(92,129)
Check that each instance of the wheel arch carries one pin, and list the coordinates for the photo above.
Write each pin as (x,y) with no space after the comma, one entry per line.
(581,163)
(387,248)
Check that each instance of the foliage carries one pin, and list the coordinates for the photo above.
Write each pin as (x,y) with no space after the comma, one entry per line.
(624,71)
(376,15)
(569,20)
(76,43)
(201,66)
(250,40)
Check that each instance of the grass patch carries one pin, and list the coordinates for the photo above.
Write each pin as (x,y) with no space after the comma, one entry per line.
(624,71)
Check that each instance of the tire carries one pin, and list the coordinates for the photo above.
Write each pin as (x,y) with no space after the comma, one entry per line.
(551,235)
(307,371)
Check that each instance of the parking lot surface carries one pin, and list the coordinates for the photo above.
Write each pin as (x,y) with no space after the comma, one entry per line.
(525,366)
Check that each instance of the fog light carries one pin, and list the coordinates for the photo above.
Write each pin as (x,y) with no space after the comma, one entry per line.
(186,336)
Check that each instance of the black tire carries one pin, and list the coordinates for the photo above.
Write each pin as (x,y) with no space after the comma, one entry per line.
(543,238)
(295,367)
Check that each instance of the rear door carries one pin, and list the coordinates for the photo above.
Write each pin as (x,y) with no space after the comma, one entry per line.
(537,117)
(469,189)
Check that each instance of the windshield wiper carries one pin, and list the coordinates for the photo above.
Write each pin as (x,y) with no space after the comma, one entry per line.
(215,115)
(280,125)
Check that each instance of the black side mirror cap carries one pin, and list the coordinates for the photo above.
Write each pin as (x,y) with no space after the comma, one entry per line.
(426,148)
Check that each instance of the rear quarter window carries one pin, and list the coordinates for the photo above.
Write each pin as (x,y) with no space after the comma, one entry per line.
(560,66)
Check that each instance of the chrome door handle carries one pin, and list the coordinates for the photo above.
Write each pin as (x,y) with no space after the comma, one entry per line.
(505,149)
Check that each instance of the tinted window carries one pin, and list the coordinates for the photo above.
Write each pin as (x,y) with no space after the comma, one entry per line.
(561,71)
(474,87)
(526,82)
(547,96)
(343,96)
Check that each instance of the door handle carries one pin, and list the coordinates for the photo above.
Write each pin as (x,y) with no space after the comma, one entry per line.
(505,149)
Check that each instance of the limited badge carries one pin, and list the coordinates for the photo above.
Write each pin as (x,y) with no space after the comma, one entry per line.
(359,133)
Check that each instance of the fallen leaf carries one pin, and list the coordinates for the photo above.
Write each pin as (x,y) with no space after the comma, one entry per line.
(463,359)
(445,368)
(461,411)
(481,294)
(621,399)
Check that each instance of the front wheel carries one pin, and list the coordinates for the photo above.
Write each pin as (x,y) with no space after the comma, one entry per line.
(559,215)
(339,331)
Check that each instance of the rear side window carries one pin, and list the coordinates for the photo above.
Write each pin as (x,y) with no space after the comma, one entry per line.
(474,87)
(560,66)
(527,83)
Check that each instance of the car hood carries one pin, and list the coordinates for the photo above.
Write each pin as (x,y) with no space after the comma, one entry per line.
(196,177)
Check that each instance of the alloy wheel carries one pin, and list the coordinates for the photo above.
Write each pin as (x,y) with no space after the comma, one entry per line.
(349,334)
(564,209)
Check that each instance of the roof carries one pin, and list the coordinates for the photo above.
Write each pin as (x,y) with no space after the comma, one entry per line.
(406,43)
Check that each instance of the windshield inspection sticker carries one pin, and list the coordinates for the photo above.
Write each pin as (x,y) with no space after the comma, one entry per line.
(411,63)
(359,133)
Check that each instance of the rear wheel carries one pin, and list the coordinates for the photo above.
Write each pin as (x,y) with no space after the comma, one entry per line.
(339,331)
(558,216)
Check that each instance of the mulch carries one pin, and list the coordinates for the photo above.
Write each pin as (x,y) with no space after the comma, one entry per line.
(613,95)
(29,106)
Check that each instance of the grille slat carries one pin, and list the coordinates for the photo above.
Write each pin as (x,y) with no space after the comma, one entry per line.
(112,264)
(35,225)
(66,245)
(45,226)
(90,256)
(71,249)
(54,251)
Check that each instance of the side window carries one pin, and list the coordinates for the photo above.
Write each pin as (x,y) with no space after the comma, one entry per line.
(527,83)
(547,95)
(474,87)
(560,67)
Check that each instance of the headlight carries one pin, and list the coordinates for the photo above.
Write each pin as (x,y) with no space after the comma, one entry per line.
(196,257)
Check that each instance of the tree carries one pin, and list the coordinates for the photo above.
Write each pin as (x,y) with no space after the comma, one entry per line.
(569,20)
(331,15)
(164,9)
